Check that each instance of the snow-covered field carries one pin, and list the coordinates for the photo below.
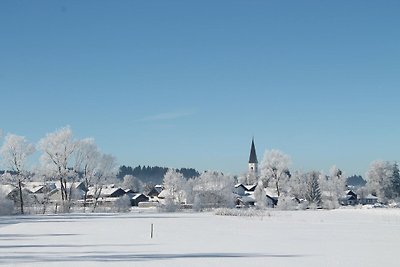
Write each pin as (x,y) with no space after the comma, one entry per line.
(345,237)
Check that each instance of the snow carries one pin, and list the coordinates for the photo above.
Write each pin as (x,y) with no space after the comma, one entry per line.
(344,237)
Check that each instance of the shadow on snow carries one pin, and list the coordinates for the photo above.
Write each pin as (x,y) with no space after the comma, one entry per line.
(103,257)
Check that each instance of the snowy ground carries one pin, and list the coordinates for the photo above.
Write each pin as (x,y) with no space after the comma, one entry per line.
(345,237)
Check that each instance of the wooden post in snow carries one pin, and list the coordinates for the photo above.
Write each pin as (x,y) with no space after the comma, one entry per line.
(151,230)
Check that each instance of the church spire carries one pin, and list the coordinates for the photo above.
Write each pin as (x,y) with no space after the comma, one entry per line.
(252,175)
(253,154)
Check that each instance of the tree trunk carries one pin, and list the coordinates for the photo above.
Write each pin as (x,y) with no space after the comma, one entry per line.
(277,187)
(97,196)
(84,201)
(20,196)
(62,189)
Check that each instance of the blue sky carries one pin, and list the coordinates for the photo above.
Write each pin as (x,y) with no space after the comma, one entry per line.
(187,84)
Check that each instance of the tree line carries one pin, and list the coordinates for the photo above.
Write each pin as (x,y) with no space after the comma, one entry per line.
(153,175)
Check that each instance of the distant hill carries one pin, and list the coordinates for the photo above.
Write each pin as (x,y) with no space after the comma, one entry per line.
(154,174)
(356,180)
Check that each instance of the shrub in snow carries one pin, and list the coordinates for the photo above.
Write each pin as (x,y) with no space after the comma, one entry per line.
(313,206)
(169,205)
(240,212)
(287,203)
(260,196)
(197,205)
(122,204)
(6,206)
(330,204)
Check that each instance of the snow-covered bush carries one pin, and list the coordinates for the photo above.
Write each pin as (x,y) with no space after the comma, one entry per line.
(330,204)
(287,203)
(169,205)
(260,196)
(6,206)
(241,212)
(122,204)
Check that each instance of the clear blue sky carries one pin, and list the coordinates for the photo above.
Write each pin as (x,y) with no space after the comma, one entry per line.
(188,83)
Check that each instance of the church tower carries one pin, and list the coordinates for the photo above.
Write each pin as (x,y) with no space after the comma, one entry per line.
(253,162)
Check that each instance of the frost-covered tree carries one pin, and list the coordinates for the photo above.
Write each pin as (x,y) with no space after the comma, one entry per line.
(86,156)
(57,156)
(131,182)
(174,183)
(213,189)
(188,188)
(313,194)
(333,186)
(105,171)
(260,196)
(15,151)
(380,177)
(298,185)
(395,181)
(275,168)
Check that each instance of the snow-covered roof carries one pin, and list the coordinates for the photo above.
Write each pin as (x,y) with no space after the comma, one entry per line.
(271,192)
(164,194)
(6,189)
(69,184)
(350,192)
(159,188)
(128,191)
(239,185)
(107,191)
(370,196)
(34,187)
(138,195)
(250,187)
(55,194)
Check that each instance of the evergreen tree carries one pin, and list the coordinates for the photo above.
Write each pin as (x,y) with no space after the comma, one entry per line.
(396,181)
(313,194)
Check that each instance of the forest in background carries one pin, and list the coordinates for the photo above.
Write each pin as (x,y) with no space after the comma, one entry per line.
(153,175)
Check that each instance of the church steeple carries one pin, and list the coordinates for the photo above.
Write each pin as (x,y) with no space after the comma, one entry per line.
(253,154)
(253,162)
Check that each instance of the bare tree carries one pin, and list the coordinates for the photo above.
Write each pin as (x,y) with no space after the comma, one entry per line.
(15,151)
